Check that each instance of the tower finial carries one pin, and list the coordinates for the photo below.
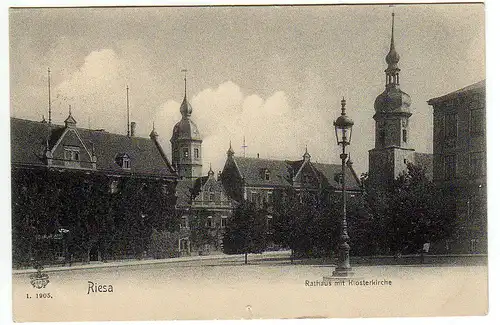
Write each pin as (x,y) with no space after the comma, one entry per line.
(128,116)
(244,146)
(50,101)
(230,151)
(185,81)
(392,59)
(69,109)
(392,30)
(306,155)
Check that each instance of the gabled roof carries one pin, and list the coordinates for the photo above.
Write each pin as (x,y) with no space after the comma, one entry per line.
(329,172)
(283,171)
(251,169)
(28,141)
(476,87)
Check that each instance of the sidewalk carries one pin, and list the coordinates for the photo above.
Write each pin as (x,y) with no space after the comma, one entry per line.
(121,263)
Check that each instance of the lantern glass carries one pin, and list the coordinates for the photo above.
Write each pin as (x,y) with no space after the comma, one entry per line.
(343,134)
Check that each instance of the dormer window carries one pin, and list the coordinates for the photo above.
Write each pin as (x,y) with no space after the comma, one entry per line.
(123,160)
(265,174)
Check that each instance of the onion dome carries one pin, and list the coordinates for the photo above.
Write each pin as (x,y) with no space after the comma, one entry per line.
(185,129)
(393,100)
(186,108)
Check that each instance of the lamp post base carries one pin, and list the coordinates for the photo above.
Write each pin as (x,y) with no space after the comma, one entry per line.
(343,272)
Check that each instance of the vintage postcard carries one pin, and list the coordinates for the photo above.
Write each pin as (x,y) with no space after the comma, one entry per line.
(248,162)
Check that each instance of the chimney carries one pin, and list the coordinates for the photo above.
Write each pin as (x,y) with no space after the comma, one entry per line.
(132,129)
(258,155)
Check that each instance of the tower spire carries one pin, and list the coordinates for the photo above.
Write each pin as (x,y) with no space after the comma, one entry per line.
(244,146)
(185,82)
(392,30)
(210,171)
(128,116)
(230,151)
(50,102)
(392,59)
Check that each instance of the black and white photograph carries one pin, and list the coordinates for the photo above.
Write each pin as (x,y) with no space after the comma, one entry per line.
(219,162)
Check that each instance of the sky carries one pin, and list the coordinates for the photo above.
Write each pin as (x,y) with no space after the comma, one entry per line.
(272,75)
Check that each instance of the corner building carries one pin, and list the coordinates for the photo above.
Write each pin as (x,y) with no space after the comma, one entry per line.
(460,162)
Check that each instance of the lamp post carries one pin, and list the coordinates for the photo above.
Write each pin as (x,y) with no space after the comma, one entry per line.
(343,127)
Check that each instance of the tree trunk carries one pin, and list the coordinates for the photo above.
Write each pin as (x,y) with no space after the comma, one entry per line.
(246,258)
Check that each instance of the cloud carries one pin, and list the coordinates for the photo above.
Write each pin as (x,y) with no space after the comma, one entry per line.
(271,127)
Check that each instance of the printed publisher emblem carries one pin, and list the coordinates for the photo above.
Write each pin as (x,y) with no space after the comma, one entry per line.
(39,279)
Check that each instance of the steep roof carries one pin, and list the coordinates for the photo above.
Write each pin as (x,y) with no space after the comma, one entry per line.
(28,141)
(476,87)
(185,129)
(328,173)
(251,169)
(281,172)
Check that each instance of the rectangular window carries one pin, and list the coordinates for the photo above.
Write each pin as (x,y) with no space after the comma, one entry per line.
(72,153)
(477,122)
(113,187)
(185,152)
(476,164)
(405,135)
(223,222)
(210,222)
(196,153)
(449,167)
(254,197)
(268,197)
(184,222)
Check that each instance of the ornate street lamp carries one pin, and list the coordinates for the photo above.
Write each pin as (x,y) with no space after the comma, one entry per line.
(343,127)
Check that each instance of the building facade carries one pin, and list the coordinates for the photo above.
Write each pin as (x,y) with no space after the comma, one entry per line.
(202,203)
(392,150)
(86,195)
(259,180)
(459,139)
(205,210)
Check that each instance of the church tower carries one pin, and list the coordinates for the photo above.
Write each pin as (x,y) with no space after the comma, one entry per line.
(392,114)
(186,143)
